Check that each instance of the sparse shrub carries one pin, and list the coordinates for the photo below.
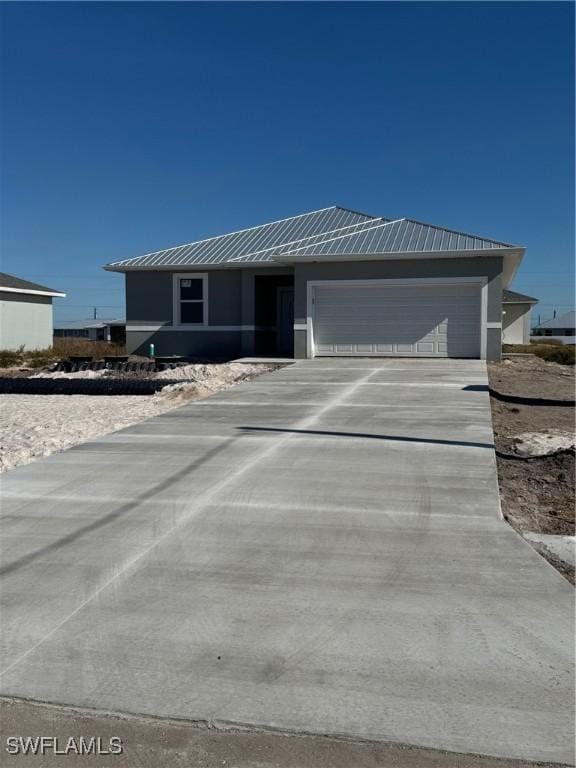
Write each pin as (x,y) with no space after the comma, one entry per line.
(40,358)
(551,351)
(10,357)
(563,354)
(62,349)
(96,349)
(545,340)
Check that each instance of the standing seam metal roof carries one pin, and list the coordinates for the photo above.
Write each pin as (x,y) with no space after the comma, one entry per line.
(328,232)
(225,248)
(400,236)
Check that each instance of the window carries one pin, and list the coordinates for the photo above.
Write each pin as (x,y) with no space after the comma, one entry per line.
(190,299)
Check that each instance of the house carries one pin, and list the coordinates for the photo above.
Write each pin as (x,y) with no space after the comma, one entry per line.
(561,328)
(99,329)
(333,282)
(25,313)
(516,309)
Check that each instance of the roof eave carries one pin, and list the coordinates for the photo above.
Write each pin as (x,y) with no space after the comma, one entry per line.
(210,267)
(515,252)
(31,292)
(518,301)
(512,258)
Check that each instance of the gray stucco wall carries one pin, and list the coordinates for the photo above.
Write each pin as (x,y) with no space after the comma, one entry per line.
(149,297)
(231,302)
(25,320)
(149,302)
(205,345)
(490,267)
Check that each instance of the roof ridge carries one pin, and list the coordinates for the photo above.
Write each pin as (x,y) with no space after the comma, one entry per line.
(360,213)
(246,256)
(226,234)
(382,223)
(459,232)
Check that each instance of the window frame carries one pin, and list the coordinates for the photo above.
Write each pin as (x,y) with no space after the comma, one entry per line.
(177,301)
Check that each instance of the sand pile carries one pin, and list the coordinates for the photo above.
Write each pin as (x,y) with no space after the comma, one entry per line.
(38,425)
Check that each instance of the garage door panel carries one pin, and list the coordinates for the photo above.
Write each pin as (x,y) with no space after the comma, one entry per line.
(441,321)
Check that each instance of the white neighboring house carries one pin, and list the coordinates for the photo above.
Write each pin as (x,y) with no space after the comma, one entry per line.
(516,309)
(561,328)
(97,329)
(25,313)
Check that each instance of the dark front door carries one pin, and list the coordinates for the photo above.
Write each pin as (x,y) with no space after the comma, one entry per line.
(285,322)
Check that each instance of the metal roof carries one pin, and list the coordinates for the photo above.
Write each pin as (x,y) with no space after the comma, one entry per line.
(16,284)
(392,237)
(255,241)
(65,325)
(331,231)
(511,297)
(567,320)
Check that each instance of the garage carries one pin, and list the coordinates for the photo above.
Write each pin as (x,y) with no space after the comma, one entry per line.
(411,319)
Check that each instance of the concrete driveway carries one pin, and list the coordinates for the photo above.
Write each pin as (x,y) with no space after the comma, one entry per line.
(317,550)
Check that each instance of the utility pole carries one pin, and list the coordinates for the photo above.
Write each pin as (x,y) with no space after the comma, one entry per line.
(95,313)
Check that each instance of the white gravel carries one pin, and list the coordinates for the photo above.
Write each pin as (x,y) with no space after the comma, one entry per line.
(543,443)
(38,425)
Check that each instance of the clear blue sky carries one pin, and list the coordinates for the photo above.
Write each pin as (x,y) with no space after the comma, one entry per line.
(133,127)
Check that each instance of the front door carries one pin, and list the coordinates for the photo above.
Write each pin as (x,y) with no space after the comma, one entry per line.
(285,322)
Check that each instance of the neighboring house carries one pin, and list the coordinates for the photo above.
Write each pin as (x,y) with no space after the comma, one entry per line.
(25,313)
(333,282)
(561,328)
(516,309)
(99,329)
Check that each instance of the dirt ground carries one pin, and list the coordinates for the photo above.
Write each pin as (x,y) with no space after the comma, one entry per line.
(537,493)
(150,743)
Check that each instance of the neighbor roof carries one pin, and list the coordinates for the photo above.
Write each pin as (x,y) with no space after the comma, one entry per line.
(99,322)
(567,320)
(14,284)
(331,231)
(511,297)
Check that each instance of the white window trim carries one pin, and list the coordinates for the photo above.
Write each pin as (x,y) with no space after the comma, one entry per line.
(176,277)
(481,281)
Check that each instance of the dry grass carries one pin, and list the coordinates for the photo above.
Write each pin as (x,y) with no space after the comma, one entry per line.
(550,350)
(63,348)
(95,349)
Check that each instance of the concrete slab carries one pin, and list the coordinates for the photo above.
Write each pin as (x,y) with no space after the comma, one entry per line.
(562,547)
(319,550)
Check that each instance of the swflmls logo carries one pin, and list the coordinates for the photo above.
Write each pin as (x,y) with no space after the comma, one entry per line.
(75,745)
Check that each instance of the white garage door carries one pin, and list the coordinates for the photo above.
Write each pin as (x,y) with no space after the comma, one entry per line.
(397,320)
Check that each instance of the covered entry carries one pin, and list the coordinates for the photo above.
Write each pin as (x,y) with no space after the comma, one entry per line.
(397,318)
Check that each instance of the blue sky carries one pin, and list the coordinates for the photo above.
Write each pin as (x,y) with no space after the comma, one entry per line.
(131,127)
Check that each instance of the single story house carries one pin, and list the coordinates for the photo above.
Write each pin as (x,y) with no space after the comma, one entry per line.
(516,309)
(25,313)
(561,328)
(333,282)
(99,329)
